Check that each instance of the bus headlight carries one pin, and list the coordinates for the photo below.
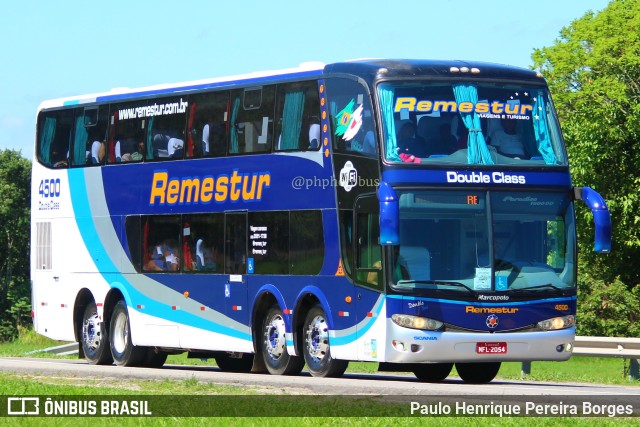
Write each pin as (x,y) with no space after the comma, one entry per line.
(556,323)
(416,322)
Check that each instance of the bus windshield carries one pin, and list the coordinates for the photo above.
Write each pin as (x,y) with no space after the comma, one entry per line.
(458,240)
(469,123)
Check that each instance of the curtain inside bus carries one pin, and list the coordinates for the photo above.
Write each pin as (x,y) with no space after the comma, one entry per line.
(150,139)
(46,139)
(292,120)
(234,133)
(477,151)
(386,107)
(80,143)
(542,130)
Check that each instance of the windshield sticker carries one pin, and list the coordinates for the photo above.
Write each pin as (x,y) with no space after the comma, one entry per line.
(349,121)
(485,109)
(482,281)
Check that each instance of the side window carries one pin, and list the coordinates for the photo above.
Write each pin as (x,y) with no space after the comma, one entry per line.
(306,242)
(351,117)
(298,116)
(127,134)
(203,243)
(269,242)
(161,244)
(208,125)
(368,249)
(346,240)
(133,248)
(252,111)
(55,130)
(90,136)
(165,136)
(235,244)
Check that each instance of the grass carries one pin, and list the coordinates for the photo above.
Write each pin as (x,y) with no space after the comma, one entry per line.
(364,411)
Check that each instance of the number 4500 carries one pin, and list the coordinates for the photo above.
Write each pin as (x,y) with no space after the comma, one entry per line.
(49,188)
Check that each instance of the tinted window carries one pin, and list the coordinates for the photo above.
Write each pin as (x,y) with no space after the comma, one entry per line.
(54,135)
(252,113)
(306,242)
(161,244)
(269,242)
(208,125)
(203,243)
(298,114)
(351,117)
(235,247)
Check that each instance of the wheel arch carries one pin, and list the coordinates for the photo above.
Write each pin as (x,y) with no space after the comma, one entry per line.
(308,298)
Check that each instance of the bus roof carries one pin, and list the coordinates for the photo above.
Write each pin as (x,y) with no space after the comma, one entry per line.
(368,69)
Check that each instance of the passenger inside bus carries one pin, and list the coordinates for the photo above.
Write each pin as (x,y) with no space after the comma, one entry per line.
(204,257)
(409,142)
(507,140)
(444,143)
(156,260)
(98,151)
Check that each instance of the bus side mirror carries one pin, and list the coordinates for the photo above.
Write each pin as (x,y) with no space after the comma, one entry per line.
(601,217)
(389,215)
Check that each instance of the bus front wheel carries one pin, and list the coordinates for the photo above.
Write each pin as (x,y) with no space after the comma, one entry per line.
(123,351)
(433,372)
(317,352)
(274,347)
(94,338)
(478,373)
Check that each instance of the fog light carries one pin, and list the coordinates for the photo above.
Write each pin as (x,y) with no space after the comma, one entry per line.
(398,345)
(560,348)
(569,347)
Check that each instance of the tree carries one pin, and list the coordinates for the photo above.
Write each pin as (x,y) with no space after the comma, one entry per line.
(15,187)
(593,70)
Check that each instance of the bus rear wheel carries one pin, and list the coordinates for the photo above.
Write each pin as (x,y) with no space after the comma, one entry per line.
(94,338)
(123,351)
(433,372)
(274,347)
(478,373)
(316,349)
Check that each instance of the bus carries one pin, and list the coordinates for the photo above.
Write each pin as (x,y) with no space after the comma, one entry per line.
(413,213)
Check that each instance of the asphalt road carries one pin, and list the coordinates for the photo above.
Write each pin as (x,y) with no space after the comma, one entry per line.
(350,384)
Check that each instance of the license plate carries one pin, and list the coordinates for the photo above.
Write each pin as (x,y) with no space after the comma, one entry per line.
(491,348)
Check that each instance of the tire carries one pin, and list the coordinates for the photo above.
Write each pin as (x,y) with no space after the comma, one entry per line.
(154,358)
(478,373)
(273,346)
(124,353)
(316,350)
(433,372)
(228,363)
(94,337)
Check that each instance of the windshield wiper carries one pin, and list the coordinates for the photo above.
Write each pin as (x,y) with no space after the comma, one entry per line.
(539,287)
(438,282)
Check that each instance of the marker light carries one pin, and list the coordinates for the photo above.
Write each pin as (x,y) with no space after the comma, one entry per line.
(415,322)
(556,323)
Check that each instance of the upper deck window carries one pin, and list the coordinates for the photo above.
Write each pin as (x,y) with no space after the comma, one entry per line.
(479,123)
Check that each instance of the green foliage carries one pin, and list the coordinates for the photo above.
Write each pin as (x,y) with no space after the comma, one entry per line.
(609,310)
(593,70)
(15,187)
